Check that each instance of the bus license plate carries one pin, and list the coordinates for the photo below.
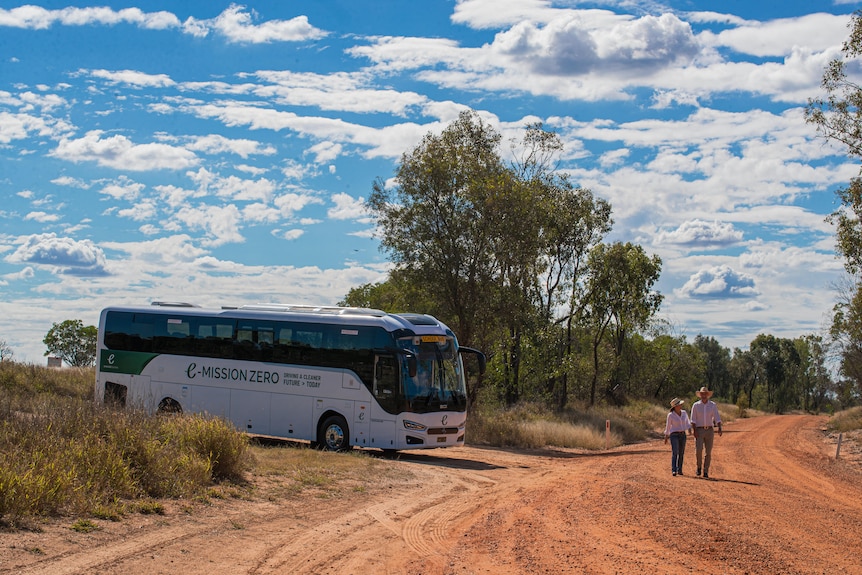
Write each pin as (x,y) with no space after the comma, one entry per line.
(441,440)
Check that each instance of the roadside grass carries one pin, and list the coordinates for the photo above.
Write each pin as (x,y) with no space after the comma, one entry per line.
(65,455)
(847,420)
(532,426)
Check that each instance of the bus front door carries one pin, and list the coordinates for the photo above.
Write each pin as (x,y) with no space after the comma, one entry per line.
(386,393)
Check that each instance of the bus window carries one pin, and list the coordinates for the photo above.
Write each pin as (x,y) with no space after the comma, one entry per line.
(385,387)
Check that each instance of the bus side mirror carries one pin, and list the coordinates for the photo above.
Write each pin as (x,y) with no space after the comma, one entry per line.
(480,357)
(412,365)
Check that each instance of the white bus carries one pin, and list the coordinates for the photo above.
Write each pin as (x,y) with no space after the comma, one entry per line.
(338,377)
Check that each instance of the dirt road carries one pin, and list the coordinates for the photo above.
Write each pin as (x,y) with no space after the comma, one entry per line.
(777,502)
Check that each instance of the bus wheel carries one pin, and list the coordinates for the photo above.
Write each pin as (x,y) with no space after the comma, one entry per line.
(334,435)
(168,405)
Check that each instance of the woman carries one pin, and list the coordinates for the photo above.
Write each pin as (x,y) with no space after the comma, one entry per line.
(677,426)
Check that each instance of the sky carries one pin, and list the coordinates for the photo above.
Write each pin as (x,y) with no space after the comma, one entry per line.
(220,153)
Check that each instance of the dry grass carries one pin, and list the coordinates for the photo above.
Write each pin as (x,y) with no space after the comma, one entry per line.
(65,455)
(847,420)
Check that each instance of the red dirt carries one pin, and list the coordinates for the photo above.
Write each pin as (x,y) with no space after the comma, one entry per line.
(777,502)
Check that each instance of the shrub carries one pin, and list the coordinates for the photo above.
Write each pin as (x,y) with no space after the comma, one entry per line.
(66,455)
(847,420)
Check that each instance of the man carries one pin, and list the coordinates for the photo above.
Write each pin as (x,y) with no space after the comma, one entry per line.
(704,420)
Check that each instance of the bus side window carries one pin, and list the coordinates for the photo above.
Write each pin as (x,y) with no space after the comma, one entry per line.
(385,386)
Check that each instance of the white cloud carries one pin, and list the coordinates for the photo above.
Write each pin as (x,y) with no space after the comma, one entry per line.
(221,224)
(325,152)
(718,283)
(71,182)
(166,253)
(38,18)
(42,217)
(133,78)
(293,234)
(701,234)
(217,144)
(122,189)
(121,153)
(292,202)
(816,32)
(21,126)
(347,208)
(63,255)
(236,25)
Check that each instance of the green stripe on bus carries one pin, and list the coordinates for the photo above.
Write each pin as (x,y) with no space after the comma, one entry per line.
(132,362)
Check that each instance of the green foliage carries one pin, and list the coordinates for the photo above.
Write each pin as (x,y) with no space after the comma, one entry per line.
(742,404)
(73,342)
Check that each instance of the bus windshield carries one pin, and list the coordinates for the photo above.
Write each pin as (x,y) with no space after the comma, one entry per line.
(439,382)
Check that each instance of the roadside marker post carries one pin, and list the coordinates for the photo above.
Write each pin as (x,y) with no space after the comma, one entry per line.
(838,449)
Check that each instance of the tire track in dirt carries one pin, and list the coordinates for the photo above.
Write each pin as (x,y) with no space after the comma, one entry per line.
(776,503)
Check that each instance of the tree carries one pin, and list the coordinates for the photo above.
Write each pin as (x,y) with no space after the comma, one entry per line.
(432,223)
(846,333)
(6,352)
(621,301)
(72,342)
(717,360)
(838,117)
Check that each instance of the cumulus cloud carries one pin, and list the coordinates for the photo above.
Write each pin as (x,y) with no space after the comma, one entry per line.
(293,234)
(133,78)
(21,126)
(347,208)
(42,217)
(221,224)
(237,25)
(325,152)
(702,234)
(217,144)
(719,282)
(159,253)
(573,45)
(64,255)
(122,189)
(121,153)
(38,18)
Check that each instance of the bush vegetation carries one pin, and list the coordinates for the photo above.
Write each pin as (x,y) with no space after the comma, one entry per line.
(63,454)
(848,420)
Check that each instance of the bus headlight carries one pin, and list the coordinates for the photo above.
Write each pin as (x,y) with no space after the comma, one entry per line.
(412,425)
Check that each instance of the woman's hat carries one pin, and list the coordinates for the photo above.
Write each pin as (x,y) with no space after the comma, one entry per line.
(676,401)
(704,391)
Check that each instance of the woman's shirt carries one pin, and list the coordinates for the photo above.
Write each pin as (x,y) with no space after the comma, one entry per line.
(676,422)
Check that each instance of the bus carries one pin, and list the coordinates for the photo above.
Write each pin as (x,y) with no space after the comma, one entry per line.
(338,377)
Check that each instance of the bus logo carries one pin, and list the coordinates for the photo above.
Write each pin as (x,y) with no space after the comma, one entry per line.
(444,419)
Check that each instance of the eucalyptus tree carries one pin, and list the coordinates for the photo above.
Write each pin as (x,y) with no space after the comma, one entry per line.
(837,116)
(717,367)
(565,223)
(816,381)
(433,223)
(620,302)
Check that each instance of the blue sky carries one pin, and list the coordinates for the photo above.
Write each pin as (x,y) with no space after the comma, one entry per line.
(220,153)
